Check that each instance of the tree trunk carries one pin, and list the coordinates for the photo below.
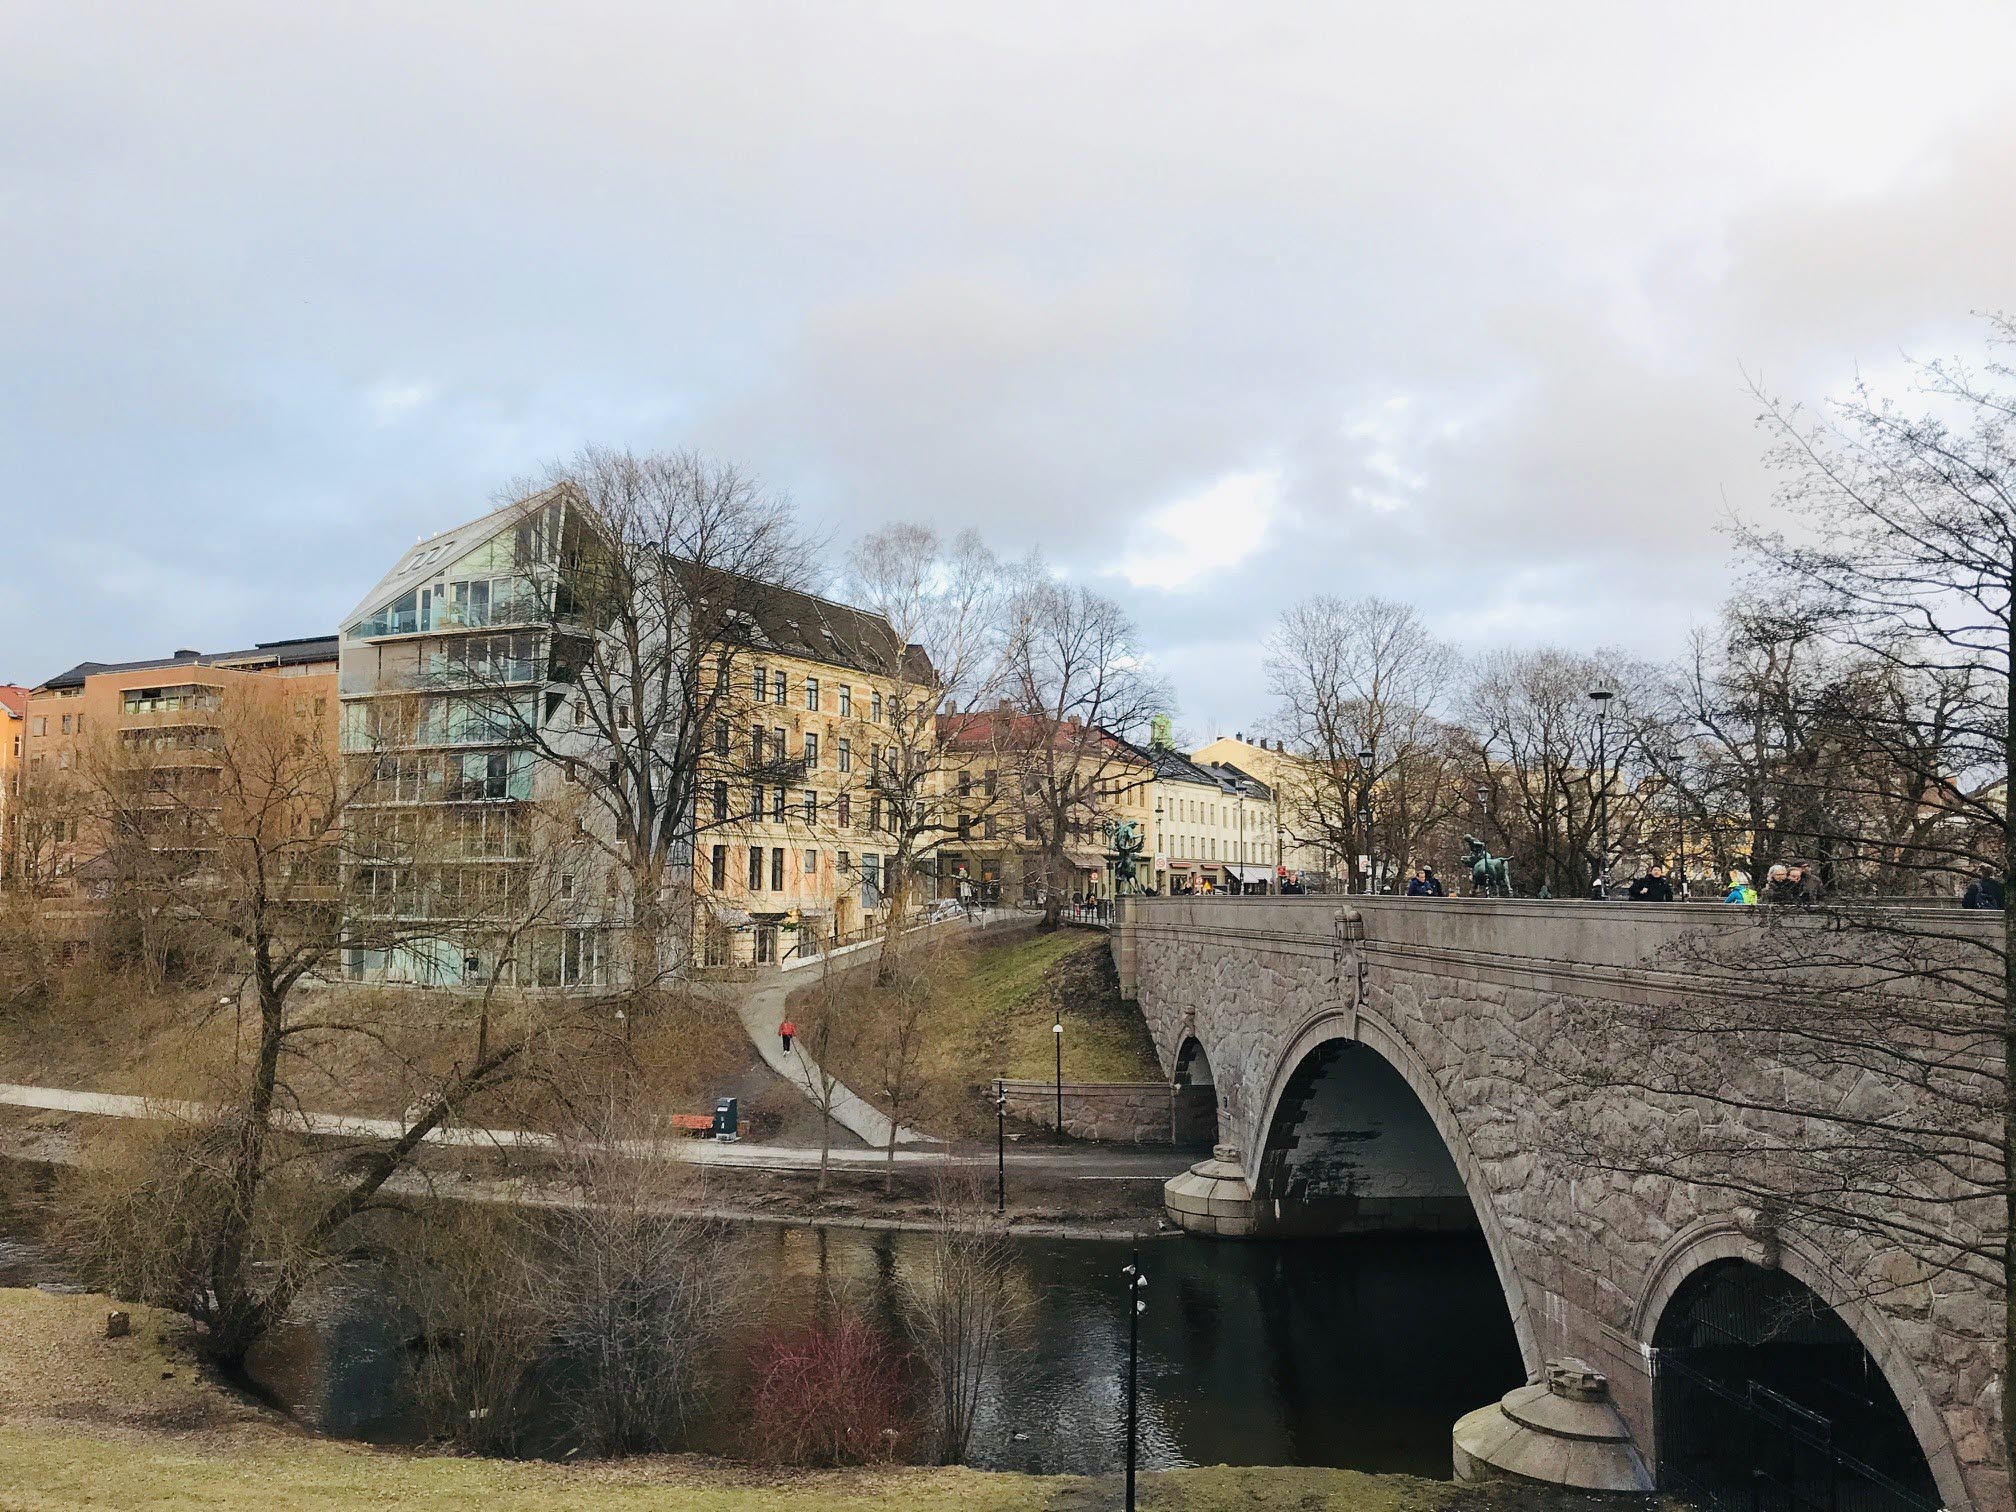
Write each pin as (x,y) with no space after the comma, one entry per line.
(2009,1063)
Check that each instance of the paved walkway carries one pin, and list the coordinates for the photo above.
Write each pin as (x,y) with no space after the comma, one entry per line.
(1094,1163)
(762,1010)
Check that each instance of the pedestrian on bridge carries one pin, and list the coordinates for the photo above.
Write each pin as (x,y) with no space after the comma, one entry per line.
(1652,887)
(1740,890)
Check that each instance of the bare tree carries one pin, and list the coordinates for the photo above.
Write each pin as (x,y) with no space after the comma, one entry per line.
(1551,767)
(965,1304)
(648,577)
(253,861)
(941,602)
(1078,690)
(1359,685)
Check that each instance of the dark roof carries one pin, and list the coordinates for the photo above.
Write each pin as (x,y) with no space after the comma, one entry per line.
(1173,766)
(795,623)
(280,653)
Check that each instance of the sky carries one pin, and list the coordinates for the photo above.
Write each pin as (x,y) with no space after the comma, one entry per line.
(1217,306)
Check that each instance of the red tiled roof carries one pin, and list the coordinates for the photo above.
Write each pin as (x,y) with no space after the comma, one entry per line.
(13,699)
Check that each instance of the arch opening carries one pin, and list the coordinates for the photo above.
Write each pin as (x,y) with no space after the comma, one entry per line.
(1351,1150)
(1764,1396)
(1194,1105)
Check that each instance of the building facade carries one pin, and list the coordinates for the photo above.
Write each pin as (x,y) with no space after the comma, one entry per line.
(1215,827)
(162,713)
(456,685)
(1288,778)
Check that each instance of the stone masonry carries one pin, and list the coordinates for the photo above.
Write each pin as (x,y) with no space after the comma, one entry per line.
(1466,999)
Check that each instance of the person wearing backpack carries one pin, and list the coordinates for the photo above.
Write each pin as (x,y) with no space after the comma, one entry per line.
(1740,890)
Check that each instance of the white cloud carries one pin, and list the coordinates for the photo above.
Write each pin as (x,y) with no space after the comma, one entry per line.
(1205,533)
(392,400)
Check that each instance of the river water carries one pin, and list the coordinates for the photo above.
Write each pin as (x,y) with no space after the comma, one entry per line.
(1356,1353)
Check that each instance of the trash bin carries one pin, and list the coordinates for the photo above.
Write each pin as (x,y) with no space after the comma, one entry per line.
(725,1119)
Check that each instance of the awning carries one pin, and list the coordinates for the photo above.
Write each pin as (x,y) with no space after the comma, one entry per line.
(730,918)
(1090,860)
(1249,873)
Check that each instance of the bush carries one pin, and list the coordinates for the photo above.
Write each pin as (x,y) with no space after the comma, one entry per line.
(833,1393)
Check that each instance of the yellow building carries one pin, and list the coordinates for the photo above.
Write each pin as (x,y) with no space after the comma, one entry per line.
(13,734)
(1288,777)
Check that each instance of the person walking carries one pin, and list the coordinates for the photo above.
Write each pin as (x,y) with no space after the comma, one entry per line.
(1418,886)
(1652,887)
(786,1032)
(1740,890)
(1985,891)
(1435,887)
(1778,886)
(1806,888)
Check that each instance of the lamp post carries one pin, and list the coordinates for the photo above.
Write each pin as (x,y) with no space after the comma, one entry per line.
(1136,1305)
(1680,827)
(1602,696)
(1000,1145)
(1057,1034)
(1365,759)
(1159,841)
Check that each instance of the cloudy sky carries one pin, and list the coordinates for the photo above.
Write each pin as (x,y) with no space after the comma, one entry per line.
(1217,305)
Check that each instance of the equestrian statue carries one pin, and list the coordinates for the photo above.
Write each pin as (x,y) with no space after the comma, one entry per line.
(1490,876)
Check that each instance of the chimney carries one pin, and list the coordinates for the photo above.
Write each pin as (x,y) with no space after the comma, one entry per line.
(1240,737)
(184,654)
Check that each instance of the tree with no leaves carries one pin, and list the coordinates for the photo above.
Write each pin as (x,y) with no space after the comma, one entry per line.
(1364,675)
(941,600)
(1078,689)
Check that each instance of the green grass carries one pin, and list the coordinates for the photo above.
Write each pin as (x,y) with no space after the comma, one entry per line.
(1104,1040)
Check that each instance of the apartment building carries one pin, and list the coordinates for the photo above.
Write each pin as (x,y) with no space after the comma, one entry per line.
(782,845)
(993,852)
(1215,827)
(163,709)
(1289,779)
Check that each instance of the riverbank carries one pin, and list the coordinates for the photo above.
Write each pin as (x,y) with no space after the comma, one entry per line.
(137,1422)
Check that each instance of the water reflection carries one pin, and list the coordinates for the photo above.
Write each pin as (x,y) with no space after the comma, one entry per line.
(1357,1353)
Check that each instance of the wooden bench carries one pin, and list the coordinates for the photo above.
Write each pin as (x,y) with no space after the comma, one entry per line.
(696,1125)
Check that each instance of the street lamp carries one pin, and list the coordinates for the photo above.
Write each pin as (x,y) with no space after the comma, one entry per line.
(1136,1305)
(1000,1145)
(1602,696)
(1159,840)
(1057,1034)
(1365,759)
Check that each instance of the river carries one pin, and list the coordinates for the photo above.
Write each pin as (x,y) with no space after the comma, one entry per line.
(1358,1353)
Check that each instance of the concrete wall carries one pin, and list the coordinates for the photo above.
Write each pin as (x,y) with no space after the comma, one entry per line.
(1147,1113)
(1466,999)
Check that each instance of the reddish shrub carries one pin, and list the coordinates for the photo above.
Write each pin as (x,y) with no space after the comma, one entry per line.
(831,1393)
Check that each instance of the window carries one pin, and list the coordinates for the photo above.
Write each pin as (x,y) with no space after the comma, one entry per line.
(755,868)
(874,760)
(987,826)
(756,804)
(623,716)
(777,869)
(321,708)
(777,805)
(755,745)
(846,701)
(965,784)
(66,724)
(844,810)
(843,861)
(717,873)
(812,694)
(39,725)
(811,749)
(811,863)
(720,737)
(761,680)
(875,813)
(811,807)
(580,715)
(845,750)
(63,760)
(875,706)
(1029,828)
(777,690)
(965,826)
(782,751)
(720,801)
(566,885)
(993,782)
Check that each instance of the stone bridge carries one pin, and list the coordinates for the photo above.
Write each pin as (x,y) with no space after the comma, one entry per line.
(1385,1064)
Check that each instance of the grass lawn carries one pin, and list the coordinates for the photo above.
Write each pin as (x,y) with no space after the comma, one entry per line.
(87,1421)
(997,999)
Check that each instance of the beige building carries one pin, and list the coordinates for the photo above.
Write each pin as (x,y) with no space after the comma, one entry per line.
(1287,776)
(166,709)
(13,735)
(1215,828)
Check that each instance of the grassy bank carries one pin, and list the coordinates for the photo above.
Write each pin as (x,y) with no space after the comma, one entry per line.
(87,1421)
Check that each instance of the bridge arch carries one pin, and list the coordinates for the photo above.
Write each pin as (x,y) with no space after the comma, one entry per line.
(1335,1028)
(1719,1241)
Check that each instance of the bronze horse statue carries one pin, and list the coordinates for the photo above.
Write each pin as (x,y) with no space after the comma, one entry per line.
(1490,876)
